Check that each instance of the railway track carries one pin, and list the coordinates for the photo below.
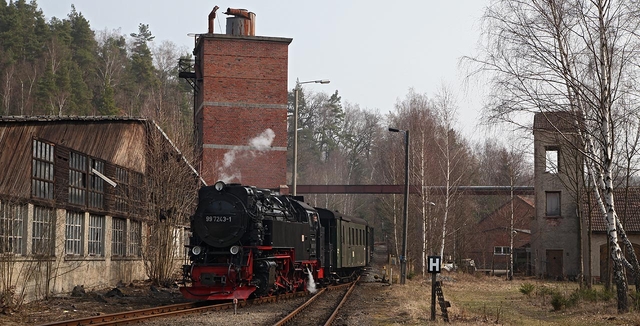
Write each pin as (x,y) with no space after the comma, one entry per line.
(137,316)
(322,308)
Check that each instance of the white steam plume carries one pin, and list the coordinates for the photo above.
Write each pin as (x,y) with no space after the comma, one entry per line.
(258,145)
(311,284)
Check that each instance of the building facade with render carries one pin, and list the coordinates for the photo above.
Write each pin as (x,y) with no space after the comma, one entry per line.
(568,233)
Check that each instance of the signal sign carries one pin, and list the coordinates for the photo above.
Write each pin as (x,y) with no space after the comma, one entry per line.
(434,264)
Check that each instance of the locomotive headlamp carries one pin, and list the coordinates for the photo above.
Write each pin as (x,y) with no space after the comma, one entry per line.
(234,250)
(219,185)
(196,250)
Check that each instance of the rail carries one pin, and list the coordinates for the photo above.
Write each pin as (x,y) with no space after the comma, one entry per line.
(137,316)
(318,295)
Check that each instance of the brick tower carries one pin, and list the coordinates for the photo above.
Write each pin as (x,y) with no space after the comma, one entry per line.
(241,103)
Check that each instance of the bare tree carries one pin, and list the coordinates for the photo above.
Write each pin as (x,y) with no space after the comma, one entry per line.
(574,56)
(452,156)
(172,190)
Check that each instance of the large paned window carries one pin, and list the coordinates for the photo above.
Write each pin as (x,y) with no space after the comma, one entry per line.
(73,233)
(12,227)
(96,235)
(135,238)
(96,184)
(42,170)
(118,245)
(553,203)
(135,187)
(43,230)
(86,187)
(77,178)
(122,191)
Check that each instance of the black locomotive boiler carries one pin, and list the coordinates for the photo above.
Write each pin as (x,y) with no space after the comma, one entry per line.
(248,241)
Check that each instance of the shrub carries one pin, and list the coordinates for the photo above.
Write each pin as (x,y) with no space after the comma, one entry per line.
(558,301)
(527,288)
(545,290)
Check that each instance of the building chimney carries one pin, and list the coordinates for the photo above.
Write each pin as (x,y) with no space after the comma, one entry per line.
(243,22)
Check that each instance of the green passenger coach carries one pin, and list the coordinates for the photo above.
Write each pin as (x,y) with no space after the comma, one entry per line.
(350,239)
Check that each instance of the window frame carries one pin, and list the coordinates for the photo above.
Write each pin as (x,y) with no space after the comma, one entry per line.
(501,250)
(43,231)
(118,237)
(96,186)
(558,211)
(42,169)
(74,234)
(121,195)
(134,239)
(551,164)
(78,163)
(95,238)
(13,219)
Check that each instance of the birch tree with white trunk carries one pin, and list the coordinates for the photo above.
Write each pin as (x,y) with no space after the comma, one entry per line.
(451,156)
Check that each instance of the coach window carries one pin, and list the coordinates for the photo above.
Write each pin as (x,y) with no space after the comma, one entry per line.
(351,237)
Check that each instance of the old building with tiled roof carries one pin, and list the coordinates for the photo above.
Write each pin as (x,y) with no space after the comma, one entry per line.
(627,203)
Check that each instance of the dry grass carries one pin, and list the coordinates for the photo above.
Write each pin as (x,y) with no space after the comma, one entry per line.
(478,300)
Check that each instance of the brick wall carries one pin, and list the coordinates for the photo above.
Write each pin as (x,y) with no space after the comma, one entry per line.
(244,94)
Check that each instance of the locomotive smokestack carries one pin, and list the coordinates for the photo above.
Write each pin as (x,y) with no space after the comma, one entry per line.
(212,17)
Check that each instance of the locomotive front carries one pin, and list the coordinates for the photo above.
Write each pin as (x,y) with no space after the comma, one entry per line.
(228,218)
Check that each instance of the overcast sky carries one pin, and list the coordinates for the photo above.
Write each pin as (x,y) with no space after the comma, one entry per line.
(372,51)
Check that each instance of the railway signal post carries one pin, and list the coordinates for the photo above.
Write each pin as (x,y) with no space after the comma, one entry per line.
(434,268)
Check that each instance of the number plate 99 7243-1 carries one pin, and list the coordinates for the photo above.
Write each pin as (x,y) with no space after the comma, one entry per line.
(217,218)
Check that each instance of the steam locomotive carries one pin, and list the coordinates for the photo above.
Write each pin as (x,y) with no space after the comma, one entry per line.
(250,242)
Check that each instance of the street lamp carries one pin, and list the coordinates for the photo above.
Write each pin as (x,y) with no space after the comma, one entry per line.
(294,177)
(403,259)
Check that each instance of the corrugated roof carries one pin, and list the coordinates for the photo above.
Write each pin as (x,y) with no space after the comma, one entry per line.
(90,119)
(628,211)
(48,118)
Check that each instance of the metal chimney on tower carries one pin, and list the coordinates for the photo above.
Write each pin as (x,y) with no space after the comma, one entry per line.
(212,17)
(243,22)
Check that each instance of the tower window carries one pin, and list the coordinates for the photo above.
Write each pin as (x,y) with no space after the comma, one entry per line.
(551,160)
(553,204)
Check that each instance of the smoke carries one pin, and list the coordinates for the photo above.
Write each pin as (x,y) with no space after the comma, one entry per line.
(257,146)
(311,284)
(263,141)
